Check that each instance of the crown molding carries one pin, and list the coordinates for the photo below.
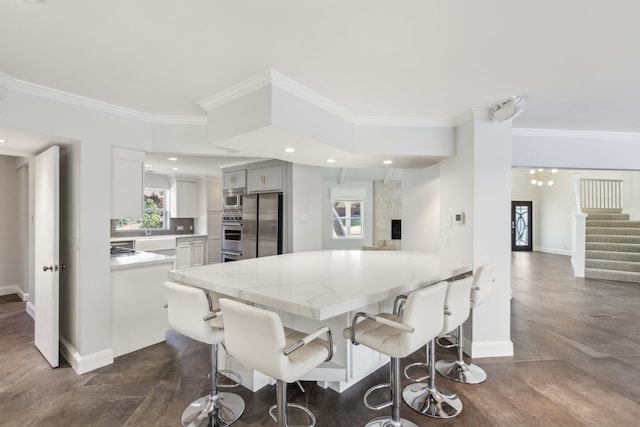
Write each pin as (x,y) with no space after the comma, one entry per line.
(69,98)
(283,82)
(280,81)
(559,133)
(237,91)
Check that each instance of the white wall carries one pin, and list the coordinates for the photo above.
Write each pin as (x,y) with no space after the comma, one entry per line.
(25,248)
(307,208)
(421,209)
(456,195)
(89,335)
(10,246)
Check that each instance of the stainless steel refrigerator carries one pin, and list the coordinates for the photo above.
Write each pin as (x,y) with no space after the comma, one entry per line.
(261,225)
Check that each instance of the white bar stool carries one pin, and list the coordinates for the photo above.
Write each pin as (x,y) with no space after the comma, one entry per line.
(416,320)
(190,313)
(257,339)
(425,397)
(457,369)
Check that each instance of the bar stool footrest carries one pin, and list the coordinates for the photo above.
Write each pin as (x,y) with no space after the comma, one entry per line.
(233,375)
(274,409)
(380,405)
(416,365)
(453,341)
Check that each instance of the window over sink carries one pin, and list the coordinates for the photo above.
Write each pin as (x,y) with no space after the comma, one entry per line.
(156,215)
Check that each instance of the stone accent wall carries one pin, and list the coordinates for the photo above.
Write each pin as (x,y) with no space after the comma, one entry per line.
(387,205)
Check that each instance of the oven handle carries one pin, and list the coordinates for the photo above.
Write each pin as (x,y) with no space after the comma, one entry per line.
(228,252)
(233,224)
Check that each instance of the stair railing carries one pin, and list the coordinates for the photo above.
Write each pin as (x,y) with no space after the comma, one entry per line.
(601,193)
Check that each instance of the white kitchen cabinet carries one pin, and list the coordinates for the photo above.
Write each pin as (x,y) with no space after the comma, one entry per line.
(126,183)
(190,251)
(264,179)
(139,318)
(214,246)
(214,196)
(235,179)
(184,199)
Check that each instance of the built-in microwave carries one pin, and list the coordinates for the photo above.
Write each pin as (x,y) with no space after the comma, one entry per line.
(232,199)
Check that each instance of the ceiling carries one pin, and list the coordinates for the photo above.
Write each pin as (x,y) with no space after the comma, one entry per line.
(575,62)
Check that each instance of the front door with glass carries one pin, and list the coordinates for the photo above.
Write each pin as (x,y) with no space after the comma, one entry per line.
(521,226)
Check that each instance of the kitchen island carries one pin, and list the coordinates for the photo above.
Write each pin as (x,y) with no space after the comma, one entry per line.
(309,289)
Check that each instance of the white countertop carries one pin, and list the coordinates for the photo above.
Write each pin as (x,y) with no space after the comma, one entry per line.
(154,236)
(139,259)
(321,284)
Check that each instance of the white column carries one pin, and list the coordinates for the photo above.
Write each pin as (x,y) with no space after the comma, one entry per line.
(476,182)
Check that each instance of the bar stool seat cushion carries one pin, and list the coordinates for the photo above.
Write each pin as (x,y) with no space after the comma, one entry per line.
(399,343)
(264,351)
(383,338)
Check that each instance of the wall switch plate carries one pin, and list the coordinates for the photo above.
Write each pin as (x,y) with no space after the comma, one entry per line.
(180,227)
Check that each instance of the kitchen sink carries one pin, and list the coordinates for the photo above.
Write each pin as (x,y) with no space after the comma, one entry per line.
(155,243)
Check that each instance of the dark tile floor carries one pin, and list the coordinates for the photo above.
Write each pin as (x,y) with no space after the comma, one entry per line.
(576,363)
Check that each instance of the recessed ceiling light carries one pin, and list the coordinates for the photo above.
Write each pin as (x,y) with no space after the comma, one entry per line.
(3,141)
(289,150)
(387,162)
(147,165)
(175,169)
(173,159)
(331,160)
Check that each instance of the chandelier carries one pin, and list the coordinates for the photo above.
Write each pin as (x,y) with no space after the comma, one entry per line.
(540,176)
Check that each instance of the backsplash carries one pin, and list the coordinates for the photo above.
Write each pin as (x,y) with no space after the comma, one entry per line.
(186,226)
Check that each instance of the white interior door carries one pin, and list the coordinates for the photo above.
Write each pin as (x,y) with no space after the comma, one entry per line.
(47,201)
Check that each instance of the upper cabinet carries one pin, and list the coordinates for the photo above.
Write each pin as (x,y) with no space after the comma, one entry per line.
(264,179)
(214,196)
(235,179)
(184,199)
(126,183)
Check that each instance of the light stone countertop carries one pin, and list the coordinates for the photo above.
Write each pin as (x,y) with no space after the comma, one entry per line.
(321,284)
(139,259)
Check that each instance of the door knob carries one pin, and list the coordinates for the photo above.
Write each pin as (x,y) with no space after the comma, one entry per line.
(54,267)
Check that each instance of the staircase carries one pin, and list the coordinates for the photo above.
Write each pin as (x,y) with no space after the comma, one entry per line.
(612,246)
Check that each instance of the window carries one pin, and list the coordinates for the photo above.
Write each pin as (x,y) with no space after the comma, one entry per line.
(347,213)
(156,216)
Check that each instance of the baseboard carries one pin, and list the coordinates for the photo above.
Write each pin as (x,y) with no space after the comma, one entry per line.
(83,364)
(489,349)
(14,289)
(553,251)
(31,310)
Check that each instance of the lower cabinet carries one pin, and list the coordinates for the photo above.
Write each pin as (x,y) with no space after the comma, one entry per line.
(190,251)
(139,317)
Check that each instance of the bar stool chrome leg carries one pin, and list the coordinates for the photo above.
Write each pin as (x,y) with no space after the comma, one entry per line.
(218,409)
(458,370)
(427,399)
(394,420)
